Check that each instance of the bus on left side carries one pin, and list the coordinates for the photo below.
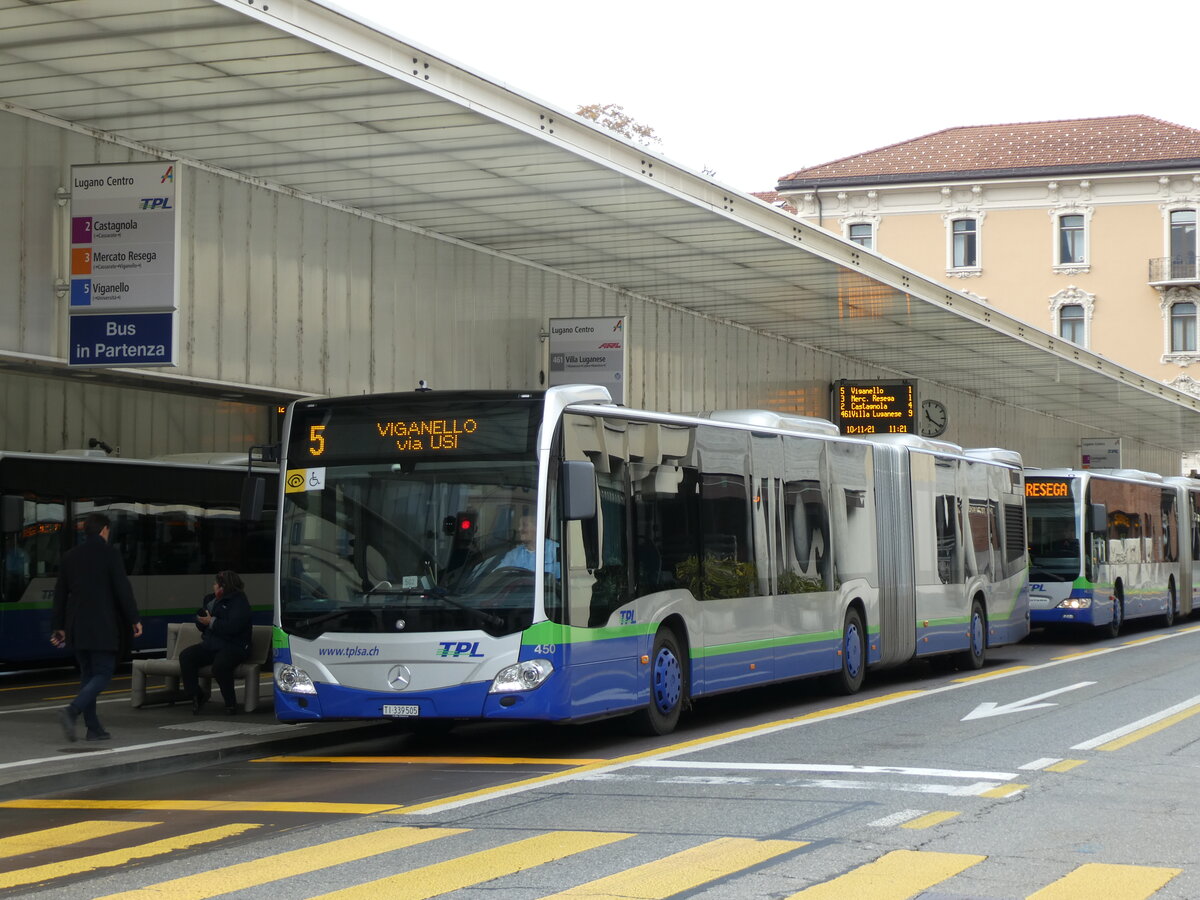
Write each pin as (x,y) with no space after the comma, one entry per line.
(175,524)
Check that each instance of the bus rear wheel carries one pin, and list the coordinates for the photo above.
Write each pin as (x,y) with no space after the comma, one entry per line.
(853,654)
(1172,603)
(1118,614)
(976,653)
(668,680)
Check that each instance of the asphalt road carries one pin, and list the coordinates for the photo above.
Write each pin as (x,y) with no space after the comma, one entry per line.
(1065,769)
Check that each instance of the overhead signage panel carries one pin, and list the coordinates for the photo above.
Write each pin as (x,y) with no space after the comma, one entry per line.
(132,339)
(124,259)
(875,407)
(589,351)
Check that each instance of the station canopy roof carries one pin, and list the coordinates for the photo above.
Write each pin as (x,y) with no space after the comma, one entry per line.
(301,96)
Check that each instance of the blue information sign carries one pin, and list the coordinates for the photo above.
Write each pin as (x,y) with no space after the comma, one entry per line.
(133,339)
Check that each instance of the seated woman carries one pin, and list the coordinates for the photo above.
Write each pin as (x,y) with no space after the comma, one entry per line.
(225,622)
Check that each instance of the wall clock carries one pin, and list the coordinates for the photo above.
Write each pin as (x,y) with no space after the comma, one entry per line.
(933,418)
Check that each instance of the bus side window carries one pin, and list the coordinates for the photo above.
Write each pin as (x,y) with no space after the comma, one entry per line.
(659,510)
(806,544)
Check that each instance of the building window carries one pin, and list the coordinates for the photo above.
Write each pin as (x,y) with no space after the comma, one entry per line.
(1071,311)
(1071,248)
(1183,327)
(1072,322)
(863,234)
(965,252)
(1183,238)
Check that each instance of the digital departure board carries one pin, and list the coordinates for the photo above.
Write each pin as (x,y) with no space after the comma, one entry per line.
(1046,488)
(342,431)
(875,407)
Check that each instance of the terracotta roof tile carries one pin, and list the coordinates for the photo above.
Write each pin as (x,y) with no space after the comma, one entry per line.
(773,198)
(1097,143)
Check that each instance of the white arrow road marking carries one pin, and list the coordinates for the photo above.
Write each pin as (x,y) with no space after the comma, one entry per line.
(983,710)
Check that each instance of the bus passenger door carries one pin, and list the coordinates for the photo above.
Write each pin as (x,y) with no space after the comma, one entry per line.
(937,511)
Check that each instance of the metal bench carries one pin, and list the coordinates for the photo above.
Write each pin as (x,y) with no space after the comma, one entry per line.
(183,634)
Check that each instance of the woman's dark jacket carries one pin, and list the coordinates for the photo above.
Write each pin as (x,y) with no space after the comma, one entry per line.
(232,627)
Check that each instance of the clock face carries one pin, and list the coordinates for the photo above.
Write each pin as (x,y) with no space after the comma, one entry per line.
(933,418)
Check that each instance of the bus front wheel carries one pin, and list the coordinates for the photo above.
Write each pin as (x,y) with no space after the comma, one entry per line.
(668,679)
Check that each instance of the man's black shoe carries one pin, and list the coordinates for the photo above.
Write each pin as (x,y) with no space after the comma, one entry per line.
(66,719)
(99,736)
(231,710)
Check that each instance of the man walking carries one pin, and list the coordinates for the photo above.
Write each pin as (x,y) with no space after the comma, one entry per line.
(93,606)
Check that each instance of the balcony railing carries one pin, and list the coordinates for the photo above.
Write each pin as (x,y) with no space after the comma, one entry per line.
(1175,270)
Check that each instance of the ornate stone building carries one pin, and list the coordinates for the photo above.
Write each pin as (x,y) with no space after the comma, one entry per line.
(1084,228)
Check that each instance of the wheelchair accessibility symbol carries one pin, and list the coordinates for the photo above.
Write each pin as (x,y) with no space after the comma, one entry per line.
(298,480)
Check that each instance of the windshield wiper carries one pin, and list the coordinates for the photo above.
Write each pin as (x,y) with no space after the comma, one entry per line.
(1043,575)
(330,616)
(436,593)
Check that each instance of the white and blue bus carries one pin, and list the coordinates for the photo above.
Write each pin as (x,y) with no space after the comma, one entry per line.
(674,557)
(1105,547)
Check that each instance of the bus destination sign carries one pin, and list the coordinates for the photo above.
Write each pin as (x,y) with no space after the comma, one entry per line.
(342,432)
(875,407)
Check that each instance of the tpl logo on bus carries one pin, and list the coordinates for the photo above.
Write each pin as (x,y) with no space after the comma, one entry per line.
(455,649)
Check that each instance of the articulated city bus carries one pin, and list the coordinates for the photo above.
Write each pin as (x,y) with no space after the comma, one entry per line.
(672,557)
(1105,547)
(176,523)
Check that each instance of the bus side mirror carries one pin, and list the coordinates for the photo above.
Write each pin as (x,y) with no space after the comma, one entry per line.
(578,483)
(1098,518)
(12,513)
(254,491)
(578,491)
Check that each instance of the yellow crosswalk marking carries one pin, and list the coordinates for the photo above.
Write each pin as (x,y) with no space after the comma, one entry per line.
(285,865)
(895,876)
(1111,882)
(206,806)
(475,868)
(1066,765)
(681,871)
(33,841)
(119,857)
(929,819)
(1005,790)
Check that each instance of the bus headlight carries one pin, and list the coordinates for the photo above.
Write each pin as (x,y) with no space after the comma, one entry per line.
(293,680)
(524,676)
(1076,603)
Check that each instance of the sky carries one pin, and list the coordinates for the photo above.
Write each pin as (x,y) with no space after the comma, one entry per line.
(753,90)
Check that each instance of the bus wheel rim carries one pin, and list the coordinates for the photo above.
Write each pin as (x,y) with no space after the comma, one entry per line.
(668,680)
(853,651)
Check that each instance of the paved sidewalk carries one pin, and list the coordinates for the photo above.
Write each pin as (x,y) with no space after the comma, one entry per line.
(36,758)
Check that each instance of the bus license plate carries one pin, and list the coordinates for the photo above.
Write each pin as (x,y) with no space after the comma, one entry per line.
(392,710)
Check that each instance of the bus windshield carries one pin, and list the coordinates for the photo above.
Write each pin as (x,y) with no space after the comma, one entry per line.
(423,546)
(1052,507)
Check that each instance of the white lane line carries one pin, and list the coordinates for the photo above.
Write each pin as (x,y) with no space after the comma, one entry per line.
(1134,726)
(842,769)
(109,751)
(1039,764)
(837,784)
